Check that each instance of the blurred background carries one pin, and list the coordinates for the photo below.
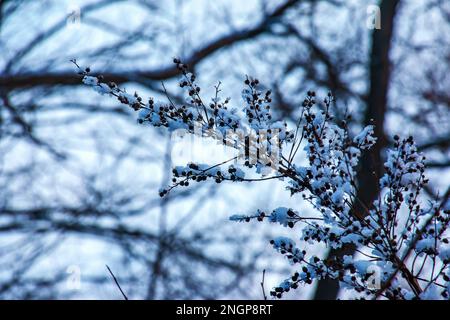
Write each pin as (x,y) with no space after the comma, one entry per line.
(79,178)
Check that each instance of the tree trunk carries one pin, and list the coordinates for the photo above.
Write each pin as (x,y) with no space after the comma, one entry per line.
(371,165)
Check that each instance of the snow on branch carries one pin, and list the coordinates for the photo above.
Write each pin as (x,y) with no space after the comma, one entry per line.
(402,244)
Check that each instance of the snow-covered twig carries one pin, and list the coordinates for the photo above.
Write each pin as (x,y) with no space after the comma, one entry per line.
(385,232)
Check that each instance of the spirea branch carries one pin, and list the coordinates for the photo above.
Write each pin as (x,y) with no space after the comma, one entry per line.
(402,241)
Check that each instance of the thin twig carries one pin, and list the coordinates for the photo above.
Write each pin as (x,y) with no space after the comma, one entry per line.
(262,285)
(167,95)
(117,283)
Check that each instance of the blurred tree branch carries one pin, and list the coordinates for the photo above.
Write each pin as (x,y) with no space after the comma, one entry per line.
(16,81)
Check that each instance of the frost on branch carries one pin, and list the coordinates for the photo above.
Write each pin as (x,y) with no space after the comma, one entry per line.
(402,243)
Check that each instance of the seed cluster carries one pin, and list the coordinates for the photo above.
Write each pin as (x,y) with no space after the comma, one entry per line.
(395,235)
